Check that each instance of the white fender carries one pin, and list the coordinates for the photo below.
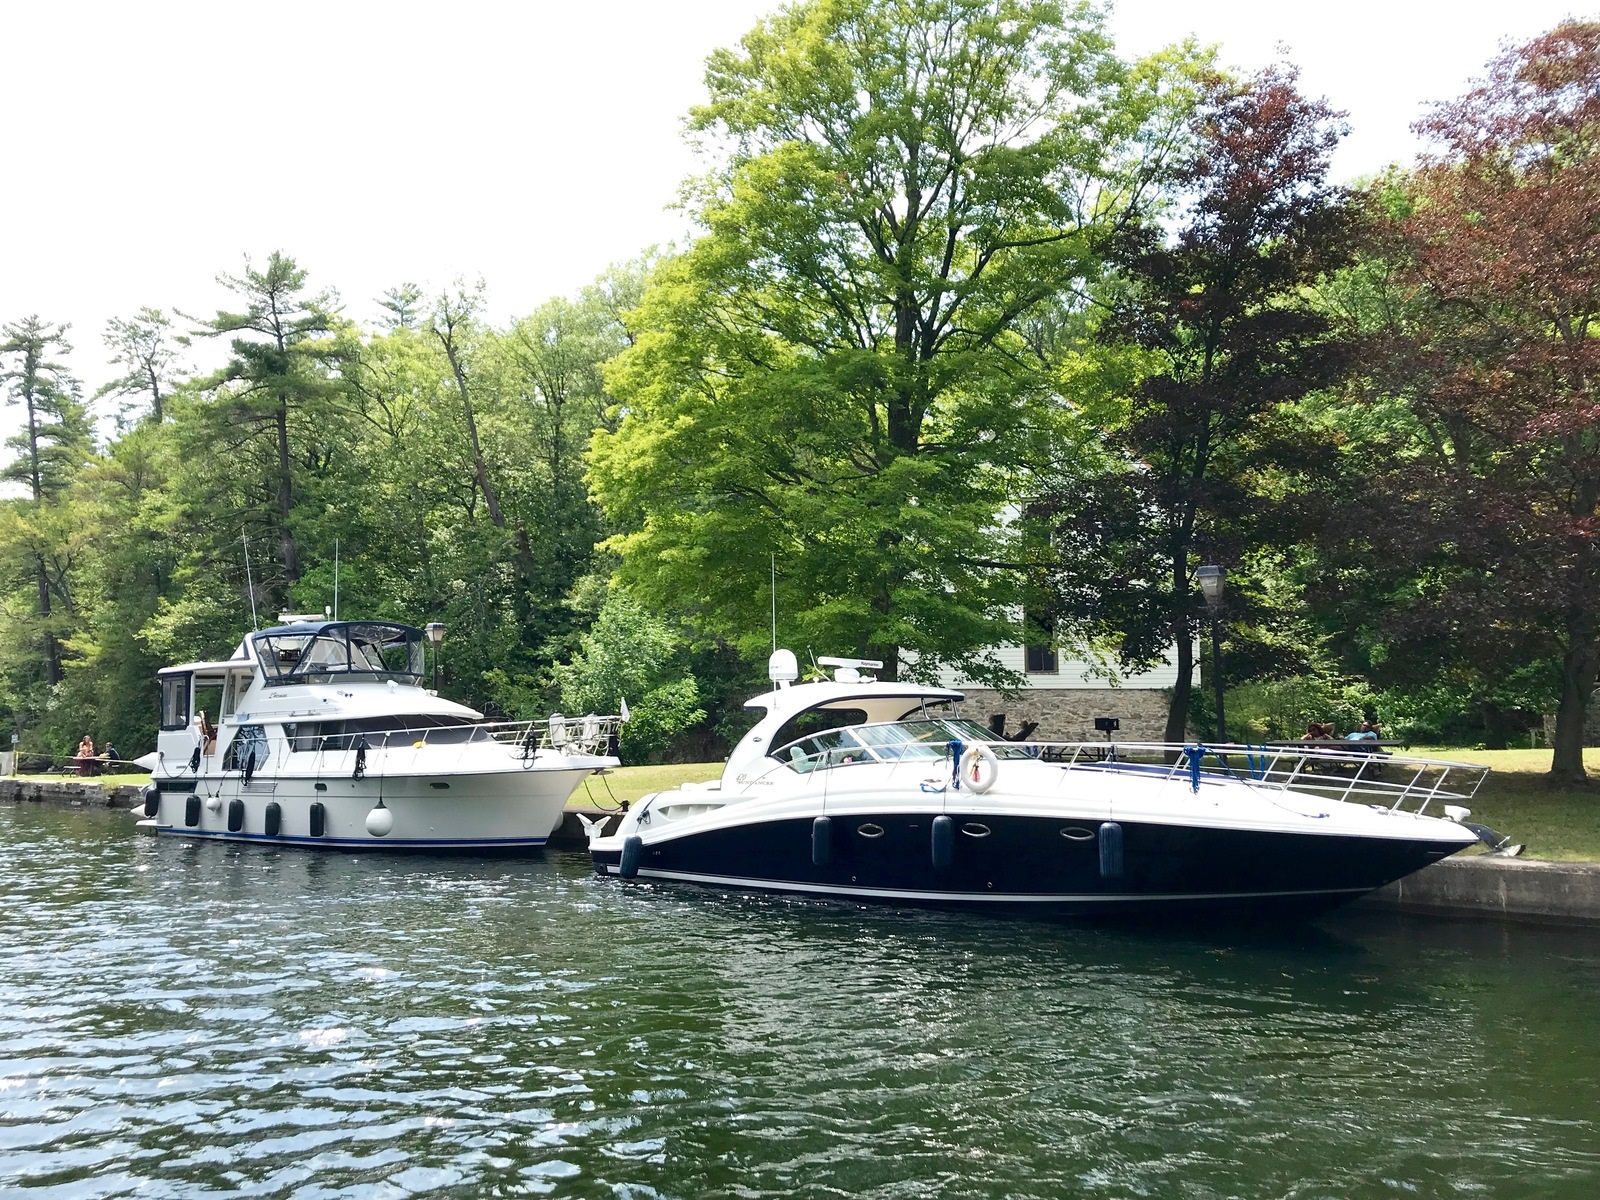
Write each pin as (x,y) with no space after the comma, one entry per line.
(979,767)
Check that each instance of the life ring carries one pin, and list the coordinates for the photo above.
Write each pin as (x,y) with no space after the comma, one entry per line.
(979,767)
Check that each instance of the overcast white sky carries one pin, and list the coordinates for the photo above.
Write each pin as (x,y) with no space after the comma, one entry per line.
(153,144)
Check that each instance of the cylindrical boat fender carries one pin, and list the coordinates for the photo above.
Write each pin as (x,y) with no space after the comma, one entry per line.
(1110,850)
(235,815)
(273,820)
(944,842)
(632,853)
(152,799)
(979,767)
(191,811)
(319,819)
(821,841)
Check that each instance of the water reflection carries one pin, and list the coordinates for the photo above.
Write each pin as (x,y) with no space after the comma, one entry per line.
(199,1019)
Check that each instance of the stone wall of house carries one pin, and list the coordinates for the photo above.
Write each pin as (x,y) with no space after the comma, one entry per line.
(1067,714)
(1591,724)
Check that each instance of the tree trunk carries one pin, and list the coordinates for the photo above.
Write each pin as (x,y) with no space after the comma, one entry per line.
(291,552)
(479,468)
(52,651)
(1178,706)
(1577,682)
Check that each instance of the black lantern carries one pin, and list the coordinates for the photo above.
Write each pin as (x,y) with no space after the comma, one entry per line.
(434,632)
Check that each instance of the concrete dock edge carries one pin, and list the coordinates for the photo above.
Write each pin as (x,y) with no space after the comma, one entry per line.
(1504,888)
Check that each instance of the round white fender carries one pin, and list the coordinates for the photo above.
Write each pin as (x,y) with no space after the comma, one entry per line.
(979,767)
(380,820)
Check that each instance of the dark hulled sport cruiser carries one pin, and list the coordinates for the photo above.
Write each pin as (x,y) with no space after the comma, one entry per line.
(904,801)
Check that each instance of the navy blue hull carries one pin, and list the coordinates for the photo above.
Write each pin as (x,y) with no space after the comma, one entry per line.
(1043,864)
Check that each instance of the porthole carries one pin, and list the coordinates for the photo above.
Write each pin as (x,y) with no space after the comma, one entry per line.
(440,784)
(869,830)
(975,829)
(1074,834)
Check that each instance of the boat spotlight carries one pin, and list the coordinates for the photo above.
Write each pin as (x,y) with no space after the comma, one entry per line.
(379,820)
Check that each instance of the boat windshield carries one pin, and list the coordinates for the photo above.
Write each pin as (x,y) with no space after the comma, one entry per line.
(335,652)
(892,741)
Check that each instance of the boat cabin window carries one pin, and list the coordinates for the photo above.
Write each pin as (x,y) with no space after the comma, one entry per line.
(233,691)
(335,651)
(817,720)
(434,729)
(208,697)
(174,701)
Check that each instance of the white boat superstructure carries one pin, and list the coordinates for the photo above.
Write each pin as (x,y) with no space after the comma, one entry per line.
(320,733)
(880,791)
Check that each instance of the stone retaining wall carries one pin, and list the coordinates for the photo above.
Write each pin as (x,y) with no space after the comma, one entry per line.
(1067,714)
(67,794)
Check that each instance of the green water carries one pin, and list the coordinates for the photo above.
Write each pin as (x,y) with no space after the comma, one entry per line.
(205,1020)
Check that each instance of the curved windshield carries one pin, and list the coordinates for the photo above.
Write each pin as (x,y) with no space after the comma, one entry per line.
(328,653)
(892,741)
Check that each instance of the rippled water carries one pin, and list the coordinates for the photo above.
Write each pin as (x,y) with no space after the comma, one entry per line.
(196,1020)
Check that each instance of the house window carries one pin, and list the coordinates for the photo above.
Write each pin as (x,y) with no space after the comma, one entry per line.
(1041,652)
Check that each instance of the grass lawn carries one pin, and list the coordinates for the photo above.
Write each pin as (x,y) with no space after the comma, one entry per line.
(629,783)
(1558,823)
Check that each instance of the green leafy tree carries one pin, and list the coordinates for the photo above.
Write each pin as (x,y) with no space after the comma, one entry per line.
(631,655)
(53,443)
(281,381)
(150,354)
(835,371)
(1211,442)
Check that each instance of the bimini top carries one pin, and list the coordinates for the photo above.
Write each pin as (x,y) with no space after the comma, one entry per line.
(332,651)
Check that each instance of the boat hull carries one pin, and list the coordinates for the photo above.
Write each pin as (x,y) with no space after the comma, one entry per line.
(1039,863)
(500,811)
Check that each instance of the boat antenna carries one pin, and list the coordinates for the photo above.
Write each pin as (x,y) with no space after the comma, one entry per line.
(774,558)
(335,579)
(249,583)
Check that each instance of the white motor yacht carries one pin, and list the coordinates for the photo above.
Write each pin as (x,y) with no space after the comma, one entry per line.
(906,802)
(320,733)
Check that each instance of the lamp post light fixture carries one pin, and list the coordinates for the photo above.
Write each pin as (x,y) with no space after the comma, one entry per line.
(1211,578)
(434,632)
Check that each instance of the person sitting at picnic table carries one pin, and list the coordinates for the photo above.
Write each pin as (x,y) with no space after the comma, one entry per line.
(84,758)
(1367,733)
(109,754)
(1317,732)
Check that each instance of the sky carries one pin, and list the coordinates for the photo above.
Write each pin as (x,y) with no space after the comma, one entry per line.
(153,145)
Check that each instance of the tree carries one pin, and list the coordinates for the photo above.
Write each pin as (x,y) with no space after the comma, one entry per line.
(1499,258)
(54,441)
(1228,343)
(632,656)
(285,349)
(833,370)
(150,354)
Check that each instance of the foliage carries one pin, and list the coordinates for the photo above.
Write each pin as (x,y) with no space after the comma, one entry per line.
(632,657)
(1209,446)
(1494,547)
(835,373)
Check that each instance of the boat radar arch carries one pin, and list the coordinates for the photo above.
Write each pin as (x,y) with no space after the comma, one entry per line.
(782,669)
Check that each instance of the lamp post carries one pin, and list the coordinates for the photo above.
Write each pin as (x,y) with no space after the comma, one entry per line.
(434,632)
(1210,578)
